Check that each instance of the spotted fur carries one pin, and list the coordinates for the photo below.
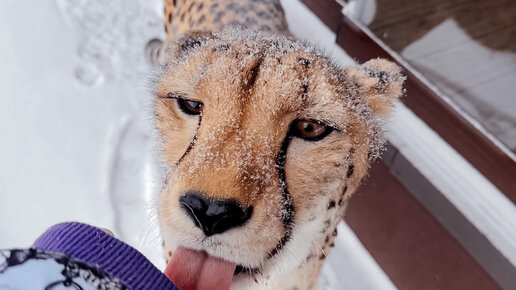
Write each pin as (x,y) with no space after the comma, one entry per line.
(254,81)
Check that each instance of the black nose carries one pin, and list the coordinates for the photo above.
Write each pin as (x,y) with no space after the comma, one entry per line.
(214,216)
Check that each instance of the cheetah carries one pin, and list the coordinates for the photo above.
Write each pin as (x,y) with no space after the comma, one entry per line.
(264,140)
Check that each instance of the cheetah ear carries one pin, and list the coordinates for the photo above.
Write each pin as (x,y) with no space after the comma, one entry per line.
(380,82)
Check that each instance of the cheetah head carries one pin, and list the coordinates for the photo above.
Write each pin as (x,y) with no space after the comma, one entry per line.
(265,140)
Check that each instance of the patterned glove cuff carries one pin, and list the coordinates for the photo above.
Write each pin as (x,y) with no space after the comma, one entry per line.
(93,246)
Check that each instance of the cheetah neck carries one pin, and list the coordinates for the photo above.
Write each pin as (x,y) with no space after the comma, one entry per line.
(303,277)
(183,16)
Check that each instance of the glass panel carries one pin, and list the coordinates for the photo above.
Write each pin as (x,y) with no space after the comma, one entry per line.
(467,48)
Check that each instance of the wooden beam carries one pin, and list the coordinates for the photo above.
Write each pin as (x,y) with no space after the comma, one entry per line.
(407,241)
(330,12)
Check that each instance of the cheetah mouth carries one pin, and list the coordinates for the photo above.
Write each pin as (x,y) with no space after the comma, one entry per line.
(195,269)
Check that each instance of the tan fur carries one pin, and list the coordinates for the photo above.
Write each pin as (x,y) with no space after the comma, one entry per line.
(253,86)
(182,16)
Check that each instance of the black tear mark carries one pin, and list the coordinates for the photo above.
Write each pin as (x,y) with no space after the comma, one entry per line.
(303,61)
(170,18)
(331,204)
(332,245)
(340,201)
(280,245)
(351,169)
(192,143)
(288,210)
(334,232)
(322,257)
(344,190)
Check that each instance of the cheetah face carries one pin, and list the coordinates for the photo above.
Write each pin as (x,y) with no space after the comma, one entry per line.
(265,140)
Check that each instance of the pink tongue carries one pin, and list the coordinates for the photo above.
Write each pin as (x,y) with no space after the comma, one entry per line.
(191,269)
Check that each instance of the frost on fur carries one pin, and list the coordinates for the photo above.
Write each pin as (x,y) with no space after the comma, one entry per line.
(253,87)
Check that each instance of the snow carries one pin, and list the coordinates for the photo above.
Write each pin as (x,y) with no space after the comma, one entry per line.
(76,130)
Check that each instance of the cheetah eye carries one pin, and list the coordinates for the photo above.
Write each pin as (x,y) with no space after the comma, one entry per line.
(189,107)
(310,130)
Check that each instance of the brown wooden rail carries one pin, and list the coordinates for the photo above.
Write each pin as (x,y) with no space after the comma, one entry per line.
(407,241)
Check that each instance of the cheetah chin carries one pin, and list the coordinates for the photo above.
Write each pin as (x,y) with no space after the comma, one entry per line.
(264,140)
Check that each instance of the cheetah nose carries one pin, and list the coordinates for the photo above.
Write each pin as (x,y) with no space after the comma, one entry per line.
(214,216)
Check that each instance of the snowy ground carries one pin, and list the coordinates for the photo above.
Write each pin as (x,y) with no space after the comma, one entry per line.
(76,135)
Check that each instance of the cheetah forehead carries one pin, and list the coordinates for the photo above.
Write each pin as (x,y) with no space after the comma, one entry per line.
(255,43)
(238,52)
(332,94)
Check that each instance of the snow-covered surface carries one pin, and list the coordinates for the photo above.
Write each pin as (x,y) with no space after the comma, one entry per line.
(479,79)
(76,136)
(75,129)
(350,266)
